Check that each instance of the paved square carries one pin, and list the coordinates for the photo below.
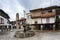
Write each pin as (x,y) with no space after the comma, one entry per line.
(48,35)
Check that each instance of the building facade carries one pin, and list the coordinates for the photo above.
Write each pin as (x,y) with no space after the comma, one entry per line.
(44,18)
(13,23)
(4,20)
(18,23)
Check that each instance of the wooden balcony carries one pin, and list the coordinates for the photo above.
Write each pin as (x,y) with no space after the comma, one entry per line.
(35,14)
(46,15)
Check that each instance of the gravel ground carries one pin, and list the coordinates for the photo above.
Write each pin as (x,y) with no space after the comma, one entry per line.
(46,35)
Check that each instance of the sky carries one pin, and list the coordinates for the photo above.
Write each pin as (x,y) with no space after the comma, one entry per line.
(34,4)
(11,7)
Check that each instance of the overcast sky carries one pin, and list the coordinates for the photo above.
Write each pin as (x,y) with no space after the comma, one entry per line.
(11,7)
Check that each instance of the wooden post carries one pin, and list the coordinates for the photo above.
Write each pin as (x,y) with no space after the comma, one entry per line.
(32,28)
(41,27)
(53,27)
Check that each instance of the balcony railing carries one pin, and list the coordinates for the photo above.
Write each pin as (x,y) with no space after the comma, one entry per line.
(43,15)
(48,15)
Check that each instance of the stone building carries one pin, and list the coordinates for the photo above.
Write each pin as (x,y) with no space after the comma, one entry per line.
(44,18)
(4,21)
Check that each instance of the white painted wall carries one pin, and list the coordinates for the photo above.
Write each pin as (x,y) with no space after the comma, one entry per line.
(52,20)
(5,20)
(29,21)
(32,21)
(44,20)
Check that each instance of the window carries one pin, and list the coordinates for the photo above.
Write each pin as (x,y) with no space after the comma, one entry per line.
(47,20)
(28,16)
(8,21)
(51,20)
(35,22)
(49,10)
(1,21)
(53,10)
(43,20)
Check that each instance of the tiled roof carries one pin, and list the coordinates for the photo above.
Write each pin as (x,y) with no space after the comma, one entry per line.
(51,7)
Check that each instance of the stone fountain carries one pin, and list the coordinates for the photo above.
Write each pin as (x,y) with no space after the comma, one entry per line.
(24,33)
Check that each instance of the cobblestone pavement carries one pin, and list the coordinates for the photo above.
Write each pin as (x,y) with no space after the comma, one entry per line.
(48,35)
